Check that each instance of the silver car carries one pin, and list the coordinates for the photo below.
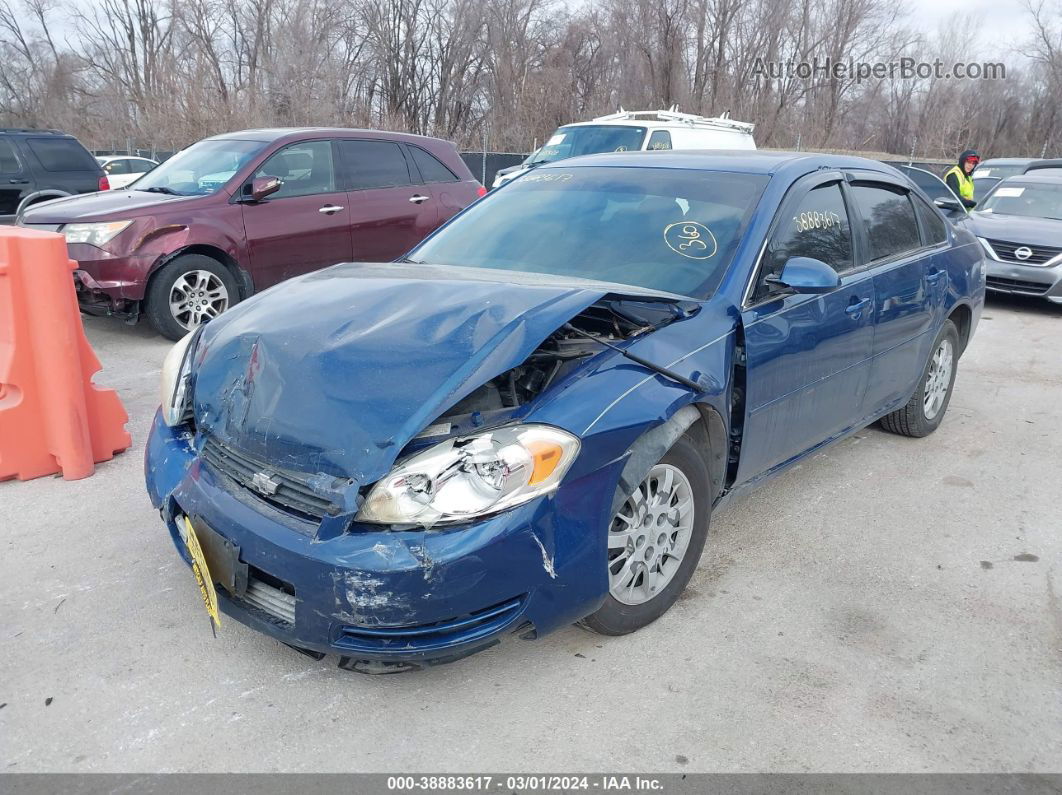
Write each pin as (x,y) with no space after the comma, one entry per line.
(1019,224)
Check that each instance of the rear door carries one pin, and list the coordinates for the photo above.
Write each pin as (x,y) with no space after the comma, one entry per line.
(807,356)
(907,284)
(15,180)
(449,194)
(390,210)
(306,224)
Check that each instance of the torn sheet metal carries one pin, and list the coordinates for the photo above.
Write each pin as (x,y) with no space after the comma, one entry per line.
(362,360)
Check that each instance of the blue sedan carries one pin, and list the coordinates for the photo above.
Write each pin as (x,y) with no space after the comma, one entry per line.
(529,420)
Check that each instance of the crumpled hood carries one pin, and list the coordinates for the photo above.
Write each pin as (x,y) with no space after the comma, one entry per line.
(1016,228)
(337,371)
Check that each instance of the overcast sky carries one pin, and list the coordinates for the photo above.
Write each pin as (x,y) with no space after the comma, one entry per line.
(1004,23)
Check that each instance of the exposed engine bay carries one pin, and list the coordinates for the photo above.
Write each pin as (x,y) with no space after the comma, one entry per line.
(607,322)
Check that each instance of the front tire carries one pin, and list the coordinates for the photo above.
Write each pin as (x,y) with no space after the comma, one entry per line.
(925,410)
(188,291)
(655,541)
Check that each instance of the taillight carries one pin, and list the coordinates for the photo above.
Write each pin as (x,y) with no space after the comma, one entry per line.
(104,184)
(481,191)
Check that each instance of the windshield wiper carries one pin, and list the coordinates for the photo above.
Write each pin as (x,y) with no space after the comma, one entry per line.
(160,189)
(638,359)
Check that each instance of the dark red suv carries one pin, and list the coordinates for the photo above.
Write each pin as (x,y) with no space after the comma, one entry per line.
(236,213)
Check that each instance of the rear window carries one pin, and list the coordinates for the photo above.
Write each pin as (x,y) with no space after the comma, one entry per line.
(889,218)
(374,164)
(431,170)
(62,154)
(8,160)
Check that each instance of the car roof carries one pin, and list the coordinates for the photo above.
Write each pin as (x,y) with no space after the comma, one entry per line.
(737,160)
(28,131)
(1036,178)
(276,134)
(1006,161)
(1036,165)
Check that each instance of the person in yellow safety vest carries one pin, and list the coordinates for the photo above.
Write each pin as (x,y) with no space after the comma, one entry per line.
(958,177)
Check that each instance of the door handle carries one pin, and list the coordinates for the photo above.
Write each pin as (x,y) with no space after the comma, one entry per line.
(934,277)
(418,199)
(328,209)
(855,309)
(19,181)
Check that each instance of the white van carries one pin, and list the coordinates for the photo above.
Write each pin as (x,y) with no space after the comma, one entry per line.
(634,130)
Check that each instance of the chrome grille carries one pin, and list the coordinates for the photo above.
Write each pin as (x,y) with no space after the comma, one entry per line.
(291,491)
(1040,254)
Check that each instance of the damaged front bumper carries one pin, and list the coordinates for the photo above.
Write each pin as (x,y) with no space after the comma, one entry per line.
(390,599)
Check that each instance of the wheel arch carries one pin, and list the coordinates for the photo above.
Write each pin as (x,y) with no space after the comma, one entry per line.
(243,278)
(700,419)
(962,316)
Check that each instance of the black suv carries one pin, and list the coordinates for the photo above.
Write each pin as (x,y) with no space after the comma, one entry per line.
(36,165)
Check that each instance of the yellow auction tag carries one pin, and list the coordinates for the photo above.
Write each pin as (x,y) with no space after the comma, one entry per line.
(202,574)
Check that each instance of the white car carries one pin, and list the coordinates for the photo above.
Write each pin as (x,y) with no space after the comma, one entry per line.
(122,170)
(629,131)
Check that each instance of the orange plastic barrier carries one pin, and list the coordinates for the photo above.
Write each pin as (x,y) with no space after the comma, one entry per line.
(52,417)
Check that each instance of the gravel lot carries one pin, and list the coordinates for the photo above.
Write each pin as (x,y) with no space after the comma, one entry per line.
(889,605)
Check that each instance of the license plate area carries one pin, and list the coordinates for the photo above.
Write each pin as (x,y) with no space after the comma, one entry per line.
(222,558)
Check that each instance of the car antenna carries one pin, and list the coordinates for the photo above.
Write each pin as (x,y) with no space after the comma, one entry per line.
(635,358)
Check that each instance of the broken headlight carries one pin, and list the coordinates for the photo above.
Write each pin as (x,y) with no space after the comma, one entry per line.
(473,476)
(176,375)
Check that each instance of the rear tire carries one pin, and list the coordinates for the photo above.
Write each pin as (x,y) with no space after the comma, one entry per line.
(643,538)
(925,410)
(188,291)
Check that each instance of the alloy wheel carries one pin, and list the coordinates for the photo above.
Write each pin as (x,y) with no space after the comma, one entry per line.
(938,379)
(649,536)
(197,296)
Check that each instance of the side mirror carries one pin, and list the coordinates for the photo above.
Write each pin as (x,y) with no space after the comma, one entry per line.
(950,206)
(261,187)
(806,275)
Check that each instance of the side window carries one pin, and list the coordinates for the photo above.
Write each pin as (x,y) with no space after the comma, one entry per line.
(660,139)
(117,167)
(431,169)
(374,164)
(815,226)
(303,168)
(889,218)
(62,154)
(932,225)
(8,160)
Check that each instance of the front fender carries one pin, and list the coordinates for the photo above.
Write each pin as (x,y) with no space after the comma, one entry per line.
(628,416)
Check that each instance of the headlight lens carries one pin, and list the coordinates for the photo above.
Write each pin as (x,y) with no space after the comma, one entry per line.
(176,374)
(94,234)
(461,479)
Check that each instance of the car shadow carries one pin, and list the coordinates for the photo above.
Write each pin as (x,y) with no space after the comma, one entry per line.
(1026,303)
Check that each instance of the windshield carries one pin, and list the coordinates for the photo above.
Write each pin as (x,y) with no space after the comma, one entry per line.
(200,169)
(665,229)
(589,140)
(1036,200)
(999,172)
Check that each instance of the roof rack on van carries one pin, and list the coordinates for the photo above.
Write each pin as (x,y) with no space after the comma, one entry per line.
(672,114)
